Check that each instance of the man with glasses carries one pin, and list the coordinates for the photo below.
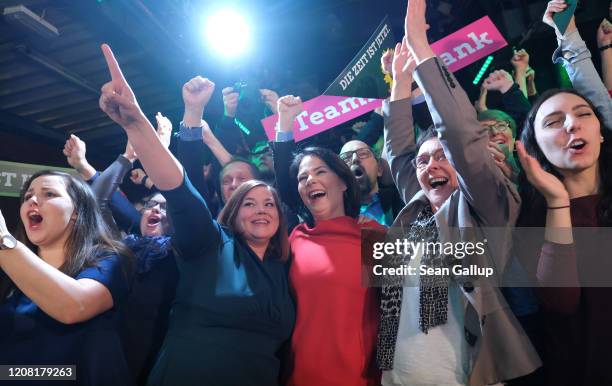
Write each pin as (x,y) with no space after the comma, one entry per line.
(377,202)
(502,133)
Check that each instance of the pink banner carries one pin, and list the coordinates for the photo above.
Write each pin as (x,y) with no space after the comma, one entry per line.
(469,44)
(323,113)
(457,50)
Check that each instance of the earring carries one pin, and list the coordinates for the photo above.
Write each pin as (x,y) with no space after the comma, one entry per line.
(601,139)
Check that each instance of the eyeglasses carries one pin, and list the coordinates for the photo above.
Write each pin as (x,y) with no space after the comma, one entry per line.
(363,153)
(152,204)
(499,127)
(421,162)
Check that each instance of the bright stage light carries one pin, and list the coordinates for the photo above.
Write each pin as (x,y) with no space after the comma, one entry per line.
(228,33)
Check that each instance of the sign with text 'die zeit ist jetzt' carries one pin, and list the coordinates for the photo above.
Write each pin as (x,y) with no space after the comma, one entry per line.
(362,78)
(352,94)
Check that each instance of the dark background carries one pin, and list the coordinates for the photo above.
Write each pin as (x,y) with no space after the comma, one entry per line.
(49,87)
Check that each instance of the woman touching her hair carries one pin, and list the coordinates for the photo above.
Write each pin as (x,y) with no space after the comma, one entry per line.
(63,282)
(566,155)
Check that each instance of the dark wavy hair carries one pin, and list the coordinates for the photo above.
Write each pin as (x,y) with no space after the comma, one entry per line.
(352,195)
(90,239)
(279,243)
(533,201)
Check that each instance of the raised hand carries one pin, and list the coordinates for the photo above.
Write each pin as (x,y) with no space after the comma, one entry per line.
(270,98)
(164,129)
(604,34)
(403,64)
(520,61)
(117,99)
(402,67)
(498,80)
(289,107)
(386,60)
(415,31)
(230,101)
(555,6)
(75,150)
(196,95)
(547,184)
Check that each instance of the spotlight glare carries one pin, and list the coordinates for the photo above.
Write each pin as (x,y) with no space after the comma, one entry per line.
(228,33)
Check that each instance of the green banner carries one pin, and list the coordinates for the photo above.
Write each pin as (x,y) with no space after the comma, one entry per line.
(363,77)
(13,175)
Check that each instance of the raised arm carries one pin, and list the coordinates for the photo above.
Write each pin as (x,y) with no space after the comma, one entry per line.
(119,103)
(109,180)
(604,43)
(576,59)
(288,109)
(513,101)
(520,62)
(75,151)
(490,194)
(400,144)
(187,208)
(196,95)
(227,131)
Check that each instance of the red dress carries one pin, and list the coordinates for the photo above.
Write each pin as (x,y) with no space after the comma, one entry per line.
(334,341)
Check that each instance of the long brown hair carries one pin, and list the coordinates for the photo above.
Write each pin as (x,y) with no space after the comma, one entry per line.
(278,247)
(89,240)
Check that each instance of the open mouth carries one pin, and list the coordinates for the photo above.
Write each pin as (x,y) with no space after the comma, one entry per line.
(316,194)
(153,221)
(438,182)
(499,141)
(577,144)
(35,219)
(260,222)
(357,171)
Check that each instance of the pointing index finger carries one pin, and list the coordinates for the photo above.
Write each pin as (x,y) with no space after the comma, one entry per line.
(113,66)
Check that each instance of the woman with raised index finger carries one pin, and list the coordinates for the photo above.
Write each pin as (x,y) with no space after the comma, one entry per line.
(232,309)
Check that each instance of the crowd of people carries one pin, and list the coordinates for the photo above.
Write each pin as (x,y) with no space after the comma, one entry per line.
(243,265)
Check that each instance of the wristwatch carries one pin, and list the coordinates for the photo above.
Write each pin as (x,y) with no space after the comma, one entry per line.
(7,242)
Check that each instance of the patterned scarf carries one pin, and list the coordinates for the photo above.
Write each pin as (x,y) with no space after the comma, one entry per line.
(433,291)
(148,250)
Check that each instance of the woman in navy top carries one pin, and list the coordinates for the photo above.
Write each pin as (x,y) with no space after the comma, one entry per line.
(232,310)
(63,284)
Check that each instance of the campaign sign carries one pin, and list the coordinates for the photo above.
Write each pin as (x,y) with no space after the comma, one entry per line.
(362,77)
(323,113)
(457,50)
(469,44)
